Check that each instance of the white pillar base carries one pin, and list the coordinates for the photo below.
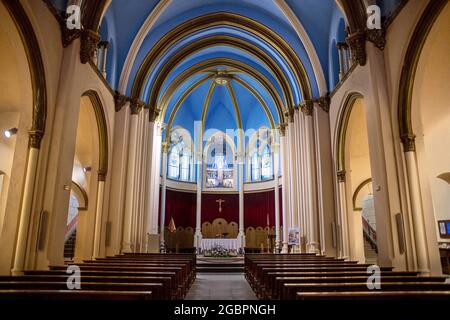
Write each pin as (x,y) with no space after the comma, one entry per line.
(241,240)
(285,248)
(313,247)
(197,240)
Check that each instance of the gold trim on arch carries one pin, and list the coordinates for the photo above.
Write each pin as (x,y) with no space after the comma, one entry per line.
(410,65)
(182,99)
(235,106)
(357,190)
(225,19)
(191,49)
(102,133)
(342,128)
(256,94)
(83,192)
(36,67)
(206,104)
(204,65)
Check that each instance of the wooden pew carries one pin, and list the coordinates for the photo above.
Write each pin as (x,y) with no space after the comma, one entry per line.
(375,295)
(63,295)
(291,289)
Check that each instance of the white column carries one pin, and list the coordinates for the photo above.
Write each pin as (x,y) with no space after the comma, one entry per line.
(313,245)
(153,181)
(127,242)
(417,212)
(25,212)
(165,150)
(198,212)
(293,194)
(285,192)
(276,170)
(241,234)
(98,216)
(343,227)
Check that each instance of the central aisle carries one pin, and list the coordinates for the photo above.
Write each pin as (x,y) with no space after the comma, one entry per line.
(220,286)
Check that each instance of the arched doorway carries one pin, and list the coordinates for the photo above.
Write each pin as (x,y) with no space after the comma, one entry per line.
(430,120)
(358,214)
(88,176)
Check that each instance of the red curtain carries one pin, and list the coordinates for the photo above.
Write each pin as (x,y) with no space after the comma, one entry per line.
(210,207)
(182,207)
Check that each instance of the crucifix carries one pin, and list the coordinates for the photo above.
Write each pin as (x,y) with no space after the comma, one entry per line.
(220,201)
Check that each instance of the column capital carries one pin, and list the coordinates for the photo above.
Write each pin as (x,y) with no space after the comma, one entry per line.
(165,147)
(341,176)
(324,103)
(136,105)
(35,138)
(282,127)
(289,114)
(101,176)
(307,107)
(153,113)
(408,141)
(357,44)
(89,41)
(377,37)
(120,100)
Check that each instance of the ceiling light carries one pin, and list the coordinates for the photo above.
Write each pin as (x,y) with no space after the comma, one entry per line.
(221,79)
(9,133)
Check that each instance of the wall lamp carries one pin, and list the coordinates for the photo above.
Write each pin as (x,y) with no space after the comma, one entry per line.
(9,133)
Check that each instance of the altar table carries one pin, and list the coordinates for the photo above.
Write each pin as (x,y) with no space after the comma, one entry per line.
(230,244)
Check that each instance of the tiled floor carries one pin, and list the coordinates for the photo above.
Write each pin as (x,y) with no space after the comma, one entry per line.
(215,286)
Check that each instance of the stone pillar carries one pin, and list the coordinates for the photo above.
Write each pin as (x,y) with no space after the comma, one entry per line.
(27,201)
(127,242)
(198,212)
(276,171)
(165,150)
(285,187)
(313,227)
(340,48)
(241,234)
(152,181)
(415,196)
(99,216)
(342,217)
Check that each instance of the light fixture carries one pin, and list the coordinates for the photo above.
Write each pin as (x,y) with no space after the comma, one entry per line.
(9,133)
(87,169)
(221,78)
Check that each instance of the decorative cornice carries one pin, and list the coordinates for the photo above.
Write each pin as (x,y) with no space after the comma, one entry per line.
(357,44)
(377,37)
(35,138)
(324,103)
(289,114)
(89,42)
(408,141)
(341,176)
(307,107)
(165,147)
(136,105)
(68,36)
(120,100)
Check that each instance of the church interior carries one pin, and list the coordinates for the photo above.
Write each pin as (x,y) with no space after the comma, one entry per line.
(224,149)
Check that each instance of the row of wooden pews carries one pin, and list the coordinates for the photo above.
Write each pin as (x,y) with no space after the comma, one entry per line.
(314,277)
(124,277)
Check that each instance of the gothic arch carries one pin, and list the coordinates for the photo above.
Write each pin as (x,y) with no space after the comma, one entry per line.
(102,132)
(410,65)
(36,66)
(343,119)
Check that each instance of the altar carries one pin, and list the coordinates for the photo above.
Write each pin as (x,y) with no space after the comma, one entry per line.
(229,244)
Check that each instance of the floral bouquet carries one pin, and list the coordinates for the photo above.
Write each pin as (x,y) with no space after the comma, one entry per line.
(219,251)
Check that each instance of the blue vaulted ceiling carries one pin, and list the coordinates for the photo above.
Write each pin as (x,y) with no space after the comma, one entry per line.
(322,21)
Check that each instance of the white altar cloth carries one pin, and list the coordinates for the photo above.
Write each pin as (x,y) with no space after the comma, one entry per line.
(230,244)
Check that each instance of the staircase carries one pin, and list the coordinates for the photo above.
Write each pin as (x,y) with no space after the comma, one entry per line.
(69,246)
(370,253)
(217,265)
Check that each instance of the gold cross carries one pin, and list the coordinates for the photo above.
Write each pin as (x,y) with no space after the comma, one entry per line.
(220,201)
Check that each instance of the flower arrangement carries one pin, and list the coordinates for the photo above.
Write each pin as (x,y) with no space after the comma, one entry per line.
(218,251)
